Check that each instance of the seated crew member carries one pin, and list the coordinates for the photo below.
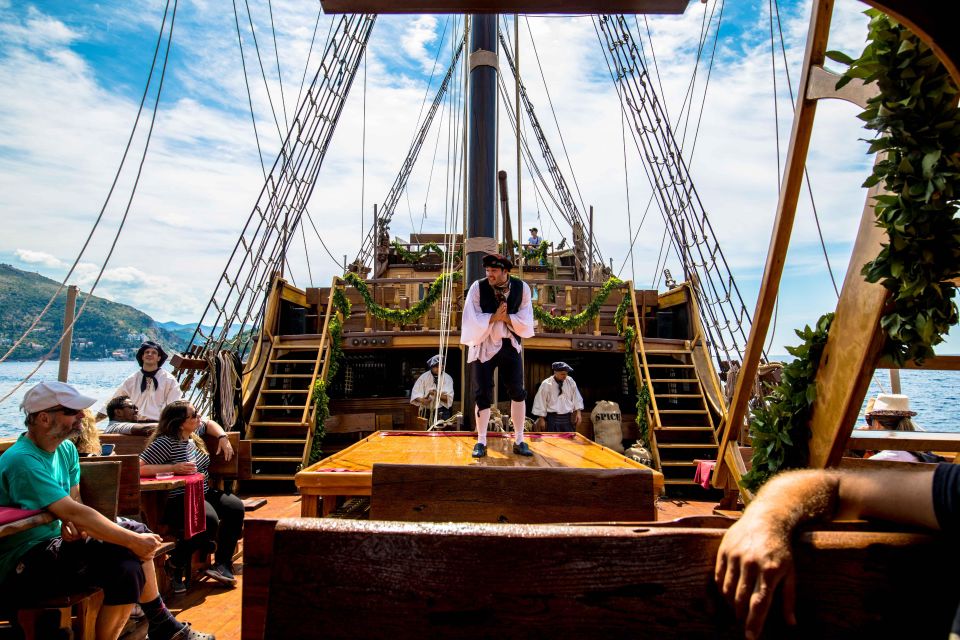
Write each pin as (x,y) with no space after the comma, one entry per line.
(82,547)
(176,446)
(424,390)
(497,314)
(124,418)
(558,402)
(151,388)
(755,557)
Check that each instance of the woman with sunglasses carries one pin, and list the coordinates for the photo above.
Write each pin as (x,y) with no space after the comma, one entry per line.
(177,447)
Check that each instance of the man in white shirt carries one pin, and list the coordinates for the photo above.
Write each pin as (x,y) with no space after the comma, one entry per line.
(424,393)
(497,314)
(151,388)
(558,402)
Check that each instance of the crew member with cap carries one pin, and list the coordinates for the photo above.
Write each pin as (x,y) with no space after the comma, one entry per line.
(558,402)
(424,390)
(497,314)
(151,388)
(534,239)
(81,547)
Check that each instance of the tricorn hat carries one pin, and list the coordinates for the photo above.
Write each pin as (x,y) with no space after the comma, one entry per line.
(497,260)
(434,361)
(149,344)
(891,404)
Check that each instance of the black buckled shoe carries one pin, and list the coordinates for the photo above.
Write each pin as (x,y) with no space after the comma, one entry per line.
(479,450)
(522,449)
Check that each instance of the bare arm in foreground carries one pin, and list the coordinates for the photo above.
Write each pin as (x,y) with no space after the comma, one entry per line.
(756,557)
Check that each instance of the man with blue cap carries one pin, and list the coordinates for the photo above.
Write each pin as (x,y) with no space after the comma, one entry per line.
(151,388)
(497,315)
(424,392)
(558,402)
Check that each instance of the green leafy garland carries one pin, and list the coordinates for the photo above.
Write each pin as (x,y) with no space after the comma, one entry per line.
(319,397)
(919,124)
(630,345)
(779,427)
(539,253)
(413,257)
(401,316)
(564,323)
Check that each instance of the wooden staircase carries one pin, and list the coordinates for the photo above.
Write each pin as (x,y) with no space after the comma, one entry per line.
(281,425)
(681,424)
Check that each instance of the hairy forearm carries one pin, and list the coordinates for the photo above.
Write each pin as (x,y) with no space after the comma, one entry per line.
(150,470)
(92,522)
(795,497)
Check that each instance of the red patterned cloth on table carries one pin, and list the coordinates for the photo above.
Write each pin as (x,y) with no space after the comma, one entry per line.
(195,513)
(704,469)
(12,514)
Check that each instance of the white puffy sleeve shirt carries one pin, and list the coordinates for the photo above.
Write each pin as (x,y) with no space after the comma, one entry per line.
(550,399)
(151,401)
(424,385)
(484,338)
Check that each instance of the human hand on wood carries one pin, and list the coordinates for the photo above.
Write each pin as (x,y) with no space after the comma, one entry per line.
(754,559)
(541,424)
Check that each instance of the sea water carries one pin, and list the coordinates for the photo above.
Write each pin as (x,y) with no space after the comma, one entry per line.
(934,395)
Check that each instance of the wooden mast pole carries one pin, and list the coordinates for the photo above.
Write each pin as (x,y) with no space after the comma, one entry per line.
(780,238)
(68,333)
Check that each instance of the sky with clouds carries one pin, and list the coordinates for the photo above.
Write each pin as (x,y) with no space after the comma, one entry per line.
(72,75)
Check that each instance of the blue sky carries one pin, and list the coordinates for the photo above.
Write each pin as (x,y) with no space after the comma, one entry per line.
(71,76)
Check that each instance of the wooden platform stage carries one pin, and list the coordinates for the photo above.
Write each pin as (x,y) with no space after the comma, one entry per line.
(349,472)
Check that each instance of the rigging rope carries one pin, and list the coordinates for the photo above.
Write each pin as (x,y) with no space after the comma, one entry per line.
(126,211)
(113,184)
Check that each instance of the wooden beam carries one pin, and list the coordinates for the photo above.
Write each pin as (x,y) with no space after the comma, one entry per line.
(780,239)
(936,363)
(877,440)
(581,7)
(852,349)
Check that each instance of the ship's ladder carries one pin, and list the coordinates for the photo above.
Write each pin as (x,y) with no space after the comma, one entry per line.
(680,422)
(281,425)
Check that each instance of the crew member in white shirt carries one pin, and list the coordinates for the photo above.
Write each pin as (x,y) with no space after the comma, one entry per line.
(497,314)
(558,402)
(151,388)
(424,391)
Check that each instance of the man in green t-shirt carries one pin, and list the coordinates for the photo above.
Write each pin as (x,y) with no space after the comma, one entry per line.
(42,471)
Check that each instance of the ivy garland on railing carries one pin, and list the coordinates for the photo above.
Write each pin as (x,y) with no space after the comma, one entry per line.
(780,427)
(319,397)
(565,323)
(919,124)
(630,345)
(401,316)
(413,257)
(539,254)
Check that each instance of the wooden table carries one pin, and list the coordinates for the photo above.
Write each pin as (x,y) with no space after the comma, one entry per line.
(349,472)
(153,498)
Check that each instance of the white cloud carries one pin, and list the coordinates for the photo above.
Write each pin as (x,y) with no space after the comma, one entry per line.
(38,257)
(418,36)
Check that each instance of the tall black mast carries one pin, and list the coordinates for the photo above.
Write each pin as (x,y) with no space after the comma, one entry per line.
(481,163)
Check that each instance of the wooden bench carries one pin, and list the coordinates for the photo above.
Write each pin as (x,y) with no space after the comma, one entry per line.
(439,493)
(124,444)
(356,579)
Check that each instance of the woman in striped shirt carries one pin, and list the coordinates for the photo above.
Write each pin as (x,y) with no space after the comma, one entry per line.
(176,446)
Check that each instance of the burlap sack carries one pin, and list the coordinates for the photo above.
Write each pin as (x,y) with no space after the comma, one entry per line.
(606,425)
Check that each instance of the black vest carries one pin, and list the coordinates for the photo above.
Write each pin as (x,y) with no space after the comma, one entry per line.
(488,298)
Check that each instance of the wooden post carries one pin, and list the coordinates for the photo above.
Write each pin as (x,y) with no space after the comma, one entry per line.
(590,248)
(67,333)
(895,381)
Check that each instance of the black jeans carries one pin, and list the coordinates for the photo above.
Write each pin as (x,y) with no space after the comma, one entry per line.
(224,513)
(510,366)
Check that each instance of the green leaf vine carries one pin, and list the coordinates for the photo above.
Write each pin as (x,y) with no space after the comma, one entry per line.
(564,323)
(630,346)
(780,427)
(401,316)
(918,121)
(319,397)
(413,257)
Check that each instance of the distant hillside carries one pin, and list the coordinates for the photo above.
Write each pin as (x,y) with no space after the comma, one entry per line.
(104,327)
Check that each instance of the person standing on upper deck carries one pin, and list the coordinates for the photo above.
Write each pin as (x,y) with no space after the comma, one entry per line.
(151,388)
(534,240)
(428,385)
(558,402)
(497,314)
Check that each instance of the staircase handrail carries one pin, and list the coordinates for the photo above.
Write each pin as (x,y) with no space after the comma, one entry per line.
(311,407)
(637,362)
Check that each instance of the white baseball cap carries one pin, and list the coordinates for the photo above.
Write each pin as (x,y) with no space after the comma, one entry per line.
(47,395)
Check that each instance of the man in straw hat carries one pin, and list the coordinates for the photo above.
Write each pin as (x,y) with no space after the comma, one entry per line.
(497,314)
(558,402)
(82,547)
(151,388)
(431,382)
